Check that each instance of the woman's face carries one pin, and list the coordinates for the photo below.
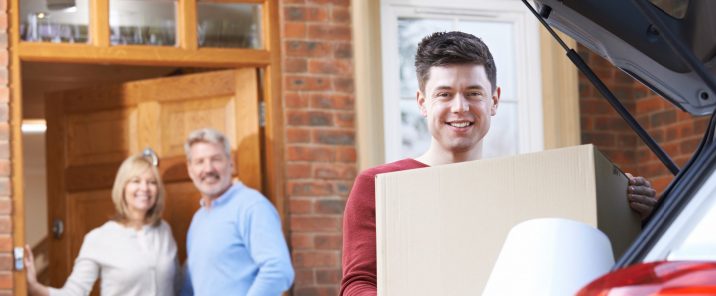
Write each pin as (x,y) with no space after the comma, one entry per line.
(140,193)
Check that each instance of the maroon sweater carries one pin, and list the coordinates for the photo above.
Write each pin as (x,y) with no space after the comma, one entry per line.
(359,247)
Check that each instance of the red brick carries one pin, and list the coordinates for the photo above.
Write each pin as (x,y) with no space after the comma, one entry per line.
(322,31)
(4,93)
(334,171)
(303,82)
(6,281)
(324,66)
(332,101)
(328,276)
(316,259)
(315,223)
(6,261)
(316,291)
(304,277)
(298,135)
(345,120)
(313,118)
(296,48)
(298,170)
(307,153)
(334,137)
(295,65)
(5,243)
(5,206)
(301,206)
(5,224)
(5,186)
(310,188)
(4,168)
(302,241)
(292,100)
(344,3)
(343,51)
(330,206)
(344,85)
(341,15)
(328,241)
(316,14)
(4,131)
(294,31)
(346,154)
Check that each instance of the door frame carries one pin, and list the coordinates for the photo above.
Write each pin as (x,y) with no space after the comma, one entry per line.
(185,54)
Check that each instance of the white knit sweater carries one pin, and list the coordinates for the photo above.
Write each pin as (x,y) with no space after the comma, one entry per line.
(130,262)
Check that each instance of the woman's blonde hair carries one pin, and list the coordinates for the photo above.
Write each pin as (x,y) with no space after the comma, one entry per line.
(130,168)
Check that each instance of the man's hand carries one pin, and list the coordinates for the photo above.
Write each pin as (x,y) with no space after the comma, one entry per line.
(641,196)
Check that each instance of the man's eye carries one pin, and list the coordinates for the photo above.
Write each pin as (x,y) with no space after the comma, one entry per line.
(443,94)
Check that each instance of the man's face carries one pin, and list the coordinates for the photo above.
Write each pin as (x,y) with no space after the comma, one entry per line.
(210,168)
(458,102)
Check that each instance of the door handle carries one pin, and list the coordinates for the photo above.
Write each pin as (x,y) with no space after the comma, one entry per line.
(58,228)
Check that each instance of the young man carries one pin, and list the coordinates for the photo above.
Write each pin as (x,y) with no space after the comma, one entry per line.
(235,245)
(457,96)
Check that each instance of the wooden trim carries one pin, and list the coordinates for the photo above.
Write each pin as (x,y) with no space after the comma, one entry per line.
(369,83)
(99,23)
(143,55)
(274,133)
(16,159)
(186,23)
(560,94)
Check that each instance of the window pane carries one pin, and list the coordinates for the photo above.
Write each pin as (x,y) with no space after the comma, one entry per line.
(148,22)
(414,131)
(502,139)
(54,20)
(498,37)
(229,25)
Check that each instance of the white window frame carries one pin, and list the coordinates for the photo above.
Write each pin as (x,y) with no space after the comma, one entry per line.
(527,54)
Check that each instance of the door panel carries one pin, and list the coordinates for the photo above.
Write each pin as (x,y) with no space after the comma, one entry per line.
(90,131)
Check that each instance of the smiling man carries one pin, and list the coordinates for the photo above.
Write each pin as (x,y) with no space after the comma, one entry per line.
(458,96)
(235,245)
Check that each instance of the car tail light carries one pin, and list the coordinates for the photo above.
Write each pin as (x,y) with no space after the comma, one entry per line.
(657,278)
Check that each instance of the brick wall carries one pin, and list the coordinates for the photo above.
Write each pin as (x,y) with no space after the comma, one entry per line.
(320,136)
(676,131)
(6,276)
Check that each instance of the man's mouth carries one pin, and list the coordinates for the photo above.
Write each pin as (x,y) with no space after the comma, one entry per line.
(460,124)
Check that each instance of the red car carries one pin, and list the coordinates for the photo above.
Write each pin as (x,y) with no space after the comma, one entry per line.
(670,46)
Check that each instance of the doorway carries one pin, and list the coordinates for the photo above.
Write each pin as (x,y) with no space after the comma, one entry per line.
(95,116)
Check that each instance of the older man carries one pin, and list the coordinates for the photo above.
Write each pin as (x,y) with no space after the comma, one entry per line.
(235,245)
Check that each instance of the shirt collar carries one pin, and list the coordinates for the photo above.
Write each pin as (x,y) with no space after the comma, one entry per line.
(224,198)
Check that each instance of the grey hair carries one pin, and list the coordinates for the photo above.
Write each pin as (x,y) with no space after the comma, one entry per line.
(206,135)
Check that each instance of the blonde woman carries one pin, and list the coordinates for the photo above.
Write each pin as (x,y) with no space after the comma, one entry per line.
(135,253)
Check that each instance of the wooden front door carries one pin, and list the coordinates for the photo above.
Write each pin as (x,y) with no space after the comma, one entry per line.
(91,131)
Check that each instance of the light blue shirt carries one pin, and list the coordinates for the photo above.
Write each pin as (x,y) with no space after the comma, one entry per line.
(236,247)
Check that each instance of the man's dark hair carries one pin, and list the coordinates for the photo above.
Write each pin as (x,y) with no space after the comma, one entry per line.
(452,48)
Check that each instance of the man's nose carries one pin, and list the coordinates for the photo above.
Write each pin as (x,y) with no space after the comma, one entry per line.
(459,104)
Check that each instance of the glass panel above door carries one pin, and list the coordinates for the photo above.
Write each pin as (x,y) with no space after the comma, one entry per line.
(58,21)
(229,25)
(143,22)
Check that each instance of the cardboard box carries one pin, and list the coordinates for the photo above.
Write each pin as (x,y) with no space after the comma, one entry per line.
(440,229)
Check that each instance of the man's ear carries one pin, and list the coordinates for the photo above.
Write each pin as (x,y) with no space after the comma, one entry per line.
(421,103)
(495,101)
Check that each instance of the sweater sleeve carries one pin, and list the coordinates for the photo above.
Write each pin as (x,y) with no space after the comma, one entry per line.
(359,245)
(268,250)
(84,273)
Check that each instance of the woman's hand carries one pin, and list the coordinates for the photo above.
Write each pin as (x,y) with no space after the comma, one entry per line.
(34,287)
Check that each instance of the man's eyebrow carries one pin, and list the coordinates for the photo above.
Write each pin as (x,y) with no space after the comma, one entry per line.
(477,86)
(443,87)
